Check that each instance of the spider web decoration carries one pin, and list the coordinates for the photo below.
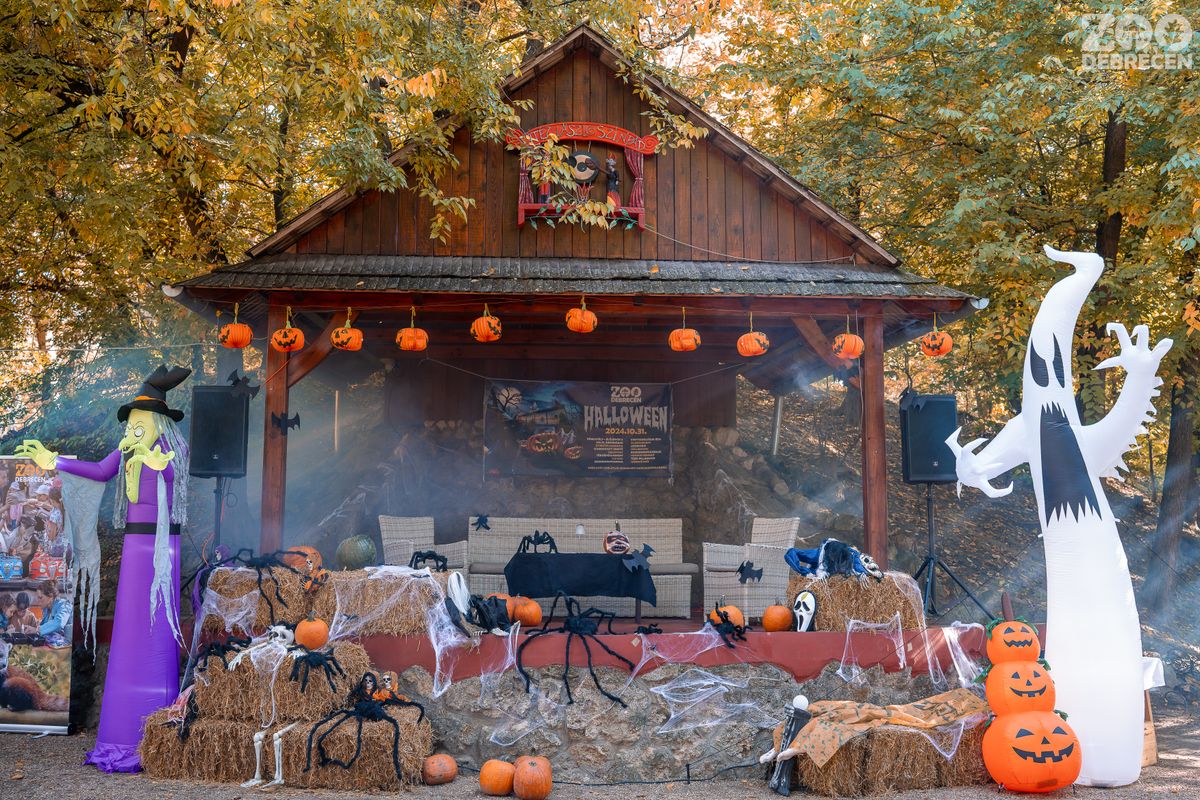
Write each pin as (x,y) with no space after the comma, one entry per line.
(697,699)
(544,713)
(853,655)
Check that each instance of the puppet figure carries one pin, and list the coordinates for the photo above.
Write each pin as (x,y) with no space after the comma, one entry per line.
(1098,678)
(151,467)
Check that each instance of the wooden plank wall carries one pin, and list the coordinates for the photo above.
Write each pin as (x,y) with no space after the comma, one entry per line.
(705,205)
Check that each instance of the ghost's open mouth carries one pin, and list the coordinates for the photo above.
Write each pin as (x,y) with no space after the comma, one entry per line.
(1028,692)
(1045,755)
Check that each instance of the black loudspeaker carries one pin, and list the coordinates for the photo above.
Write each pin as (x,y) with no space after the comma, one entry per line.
(926,421)
(220,432)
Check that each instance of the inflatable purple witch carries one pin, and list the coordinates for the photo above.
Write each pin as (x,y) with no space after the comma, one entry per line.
(151,468)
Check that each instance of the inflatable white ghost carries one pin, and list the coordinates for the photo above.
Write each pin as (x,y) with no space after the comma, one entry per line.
(1093,637)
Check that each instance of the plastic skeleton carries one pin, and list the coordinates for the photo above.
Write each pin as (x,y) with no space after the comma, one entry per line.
(277,636)
(1087,574)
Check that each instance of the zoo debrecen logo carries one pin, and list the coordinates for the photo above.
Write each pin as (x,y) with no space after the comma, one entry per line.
(1131,41)
(625,394)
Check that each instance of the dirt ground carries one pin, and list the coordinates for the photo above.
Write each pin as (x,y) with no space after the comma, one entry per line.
(52,767)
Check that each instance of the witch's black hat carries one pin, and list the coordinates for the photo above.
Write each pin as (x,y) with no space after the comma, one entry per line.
(153,394)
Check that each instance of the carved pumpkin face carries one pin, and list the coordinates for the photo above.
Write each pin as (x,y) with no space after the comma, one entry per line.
(287,339)
(684,340)
(754,343)
(936,343)
(1016,686)
(412,339)
(486,328)
(848,345)
(346,338)
(580,320)
(1013,640)
(235,335)
(1035,751)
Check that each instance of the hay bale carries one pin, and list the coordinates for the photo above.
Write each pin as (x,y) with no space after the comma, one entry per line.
(373,769)
(899,760)
(388,605)
(160,750)
(966,767)
(245,693)
(843,775)
(222,751)
(231,583)
(841,599)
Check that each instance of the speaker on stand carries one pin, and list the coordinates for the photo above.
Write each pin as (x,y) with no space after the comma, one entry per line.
(219,439)
(926,421)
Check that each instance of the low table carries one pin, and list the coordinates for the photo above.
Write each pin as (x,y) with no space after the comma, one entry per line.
(579,575)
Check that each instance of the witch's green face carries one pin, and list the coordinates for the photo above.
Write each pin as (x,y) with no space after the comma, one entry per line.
(140,428)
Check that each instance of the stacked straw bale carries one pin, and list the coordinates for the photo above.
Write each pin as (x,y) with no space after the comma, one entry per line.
(373,769)
(841,599)
(237,582)
(388,605)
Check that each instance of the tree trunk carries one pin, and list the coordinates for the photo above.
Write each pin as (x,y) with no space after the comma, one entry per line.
(1178,494)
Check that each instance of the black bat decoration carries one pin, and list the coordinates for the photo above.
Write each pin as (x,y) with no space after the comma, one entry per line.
(747,572)
(635,560)
(284,423)
(242,386)
(481,522)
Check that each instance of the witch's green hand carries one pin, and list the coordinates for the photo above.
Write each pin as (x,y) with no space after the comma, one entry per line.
(32,448)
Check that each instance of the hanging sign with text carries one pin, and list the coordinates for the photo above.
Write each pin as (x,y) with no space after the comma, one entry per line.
(580,428)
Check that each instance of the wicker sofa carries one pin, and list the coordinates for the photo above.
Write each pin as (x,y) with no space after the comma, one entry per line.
(402,536)
(490,550)
(769,539)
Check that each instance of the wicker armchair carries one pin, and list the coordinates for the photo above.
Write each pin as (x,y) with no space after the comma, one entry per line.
(769,539)
(402,536)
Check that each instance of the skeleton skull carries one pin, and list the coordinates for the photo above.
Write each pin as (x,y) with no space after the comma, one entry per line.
(281,634)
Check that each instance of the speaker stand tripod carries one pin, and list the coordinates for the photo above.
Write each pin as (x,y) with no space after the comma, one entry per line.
(218,512)
(933,563)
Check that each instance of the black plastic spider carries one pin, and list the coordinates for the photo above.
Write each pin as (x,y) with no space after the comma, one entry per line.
(305,660)
(421,557)
(221,650)
(536,540)
(584,624)
(729,632)
(647,630)
(362,707)
(266,563)
(190,712)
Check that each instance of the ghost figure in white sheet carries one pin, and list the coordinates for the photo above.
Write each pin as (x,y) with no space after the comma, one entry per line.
(1098,676)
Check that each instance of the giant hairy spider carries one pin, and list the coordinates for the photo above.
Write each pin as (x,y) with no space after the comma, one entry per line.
(422,557)
(265,563)
(305,660)
(536,540)
(727,629)
(220,650)
(361,706)
(584,624)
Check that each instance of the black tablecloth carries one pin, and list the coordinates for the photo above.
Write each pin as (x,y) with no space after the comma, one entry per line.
(577,574)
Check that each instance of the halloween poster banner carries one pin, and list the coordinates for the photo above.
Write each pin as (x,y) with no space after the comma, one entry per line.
(577,428)
(36,600)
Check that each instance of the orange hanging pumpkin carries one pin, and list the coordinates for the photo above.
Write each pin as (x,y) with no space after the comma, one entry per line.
(581,320)
(685,339)
(533,778)
(1012,640)
(287,339)
(496,778)
(312,633)
(848,346)
(412,338)
(936,343)
(527,612)
(345,337)
(486,328)
(1034,751)
(438,769)
(733,612)
(1017,686)
(754,343)
(235,335)
(778,618)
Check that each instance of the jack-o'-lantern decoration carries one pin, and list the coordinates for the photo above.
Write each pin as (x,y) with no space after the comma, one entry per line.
(487,327)
(287,339)
(936,343)
(1014,687)
(1034,751)
(778,618)
(580,320)
(848,345)
(615,542)
(235,335)
(684,339)
(346,337)
(754,343)
(412,338)
(1012,640)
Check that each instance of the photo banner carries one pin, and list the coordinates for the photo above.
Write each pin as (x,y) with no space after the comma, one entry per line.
(577,428)
(37,592)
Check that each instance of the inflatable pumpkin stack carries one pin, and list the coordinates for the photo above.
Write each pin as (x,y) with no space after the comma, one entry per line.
(1029,747)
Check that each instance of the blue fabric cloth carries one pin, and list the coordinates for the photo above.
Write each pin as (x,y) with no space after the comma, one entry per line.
(57,618)
(811,562)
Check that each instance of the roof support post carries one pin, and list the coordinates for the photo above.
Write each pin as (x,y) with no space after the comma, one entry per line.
(874,438)
(274,469)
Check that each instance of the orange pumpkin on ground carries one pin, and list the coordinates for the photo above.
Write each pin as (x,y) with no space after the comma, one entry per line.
(486,328)
(778,618)
(533,778)
(1012,640)
(412,339)
(1034,751)
(438,769)
(754,343)
(496,778)
(312,633)
(527,612)
(1014,687)
(580,320)
(235,335)
(848,345)
(936,343)
(733,612)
